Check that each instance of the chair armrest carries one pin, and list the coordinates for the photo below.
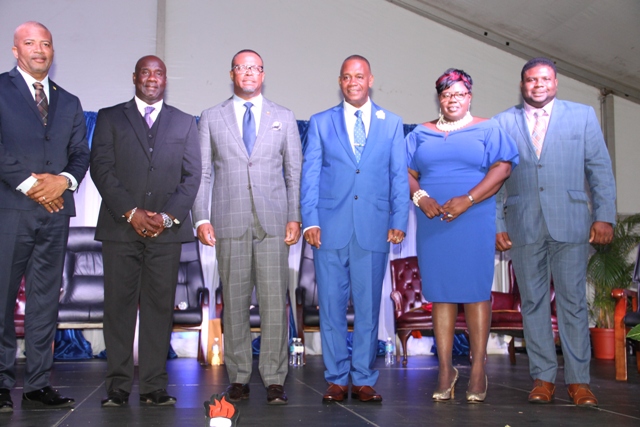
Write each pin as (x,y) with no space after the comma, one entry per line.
(502,301)
(396,297)
(300,294)
(203,297)
(218,301)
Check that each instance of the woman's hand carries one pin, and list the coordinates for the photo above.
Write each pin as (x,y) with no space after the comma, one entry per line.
(430,207)
(455,207)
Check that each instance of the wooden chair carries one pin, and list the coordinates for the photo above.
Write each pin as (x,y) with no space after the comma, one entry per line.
(625,319)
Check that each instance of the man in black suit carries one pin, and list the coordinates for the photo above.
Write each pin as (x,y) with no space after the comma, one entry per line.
(145,162)
(43,156)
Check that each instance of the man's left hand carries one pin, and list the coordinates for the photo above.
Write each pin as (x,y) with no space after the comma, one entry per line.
(292,233)
(601,233)
(47,188)
(395,236)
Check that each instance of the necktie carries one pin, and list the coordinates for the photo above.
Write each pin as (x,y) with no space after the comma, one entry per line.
(248,128)
(359,136)
(147,116)
(41,101)
(537,135)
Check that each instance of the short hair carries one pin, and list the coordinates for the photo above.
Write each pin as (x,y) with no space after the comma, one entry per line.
(534,62)
(358,57)
(245,51)
(34,23)
(451,77)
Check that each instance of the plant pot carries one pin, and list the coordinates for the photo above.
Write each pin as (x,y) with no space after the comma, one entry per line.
(603,344)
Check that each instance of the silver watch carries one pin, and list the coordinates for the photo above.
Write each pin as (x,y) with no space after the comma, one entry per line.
(168,222)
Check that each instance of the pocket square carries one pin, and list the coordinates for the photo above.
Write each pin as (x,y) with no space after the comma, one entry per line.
(276,126)
(380,114)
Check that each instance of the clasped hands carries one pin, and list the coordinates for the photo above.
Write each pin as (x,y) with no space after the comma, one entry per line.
(47,191)
(146,223)
(451,210)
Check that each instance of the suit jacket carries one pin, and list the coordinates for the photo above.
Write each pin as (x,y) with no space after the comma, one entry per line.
(129,174)
(343,196)
(27,146)
(270,177)
(553,187)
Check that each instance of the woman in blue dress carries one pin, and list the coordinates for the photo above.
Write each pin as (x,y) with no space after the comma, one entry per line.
(456,165)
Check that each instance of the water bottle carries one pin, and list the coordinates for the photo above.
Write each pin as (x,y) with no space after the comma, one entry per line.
(216,352)
(299,353)
(389,353)
(292,352)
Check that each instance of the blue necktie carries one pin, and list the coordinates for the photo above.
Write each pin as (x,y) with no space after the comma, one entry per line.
(248,128)
(359,136)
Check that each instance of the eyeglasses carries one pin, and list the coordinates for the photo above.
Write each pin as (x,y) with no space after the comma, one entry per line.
(458,96)
(242,68)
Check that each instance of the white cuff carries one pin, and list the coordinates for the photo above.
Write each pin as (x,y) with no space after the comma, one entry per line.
(26,184)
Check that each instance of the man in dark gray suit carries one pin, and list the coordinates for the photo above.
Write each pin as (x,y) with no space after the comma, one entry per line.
(43,156)
(145,162)
(253,147)
(548,224)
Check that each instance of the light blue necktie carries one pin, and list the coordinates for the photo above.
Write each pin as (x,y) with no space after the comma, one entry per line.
(359,136)
(147,116)
(248,128)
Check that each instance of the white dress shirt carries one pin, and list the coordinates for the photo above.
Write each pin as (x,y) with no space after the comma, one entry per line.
(240,109)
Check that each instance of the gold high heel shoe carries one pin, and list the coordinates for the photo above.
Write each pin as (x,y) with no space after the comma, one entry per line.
(439,396)
(478,397)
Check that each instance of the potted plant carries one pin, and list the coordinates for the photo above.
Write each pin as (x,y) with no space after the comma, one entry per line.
(609,268)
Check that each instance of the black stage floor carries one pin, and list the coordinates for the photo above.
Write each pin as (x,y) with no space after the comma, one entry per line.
(406,393)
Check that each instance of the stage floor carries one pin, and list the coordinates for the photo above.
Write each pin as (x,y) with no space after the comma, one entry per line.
(406,392)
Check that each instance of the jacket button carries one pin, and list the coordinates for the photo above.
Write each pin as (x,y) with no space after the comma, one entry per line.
(151,169)
(355,197)
(48,138)
(357,170)
(150,136)
(539,166)
(541,189)
(148,193)
(250,164)
(48,162)
(248,187)
(151,150)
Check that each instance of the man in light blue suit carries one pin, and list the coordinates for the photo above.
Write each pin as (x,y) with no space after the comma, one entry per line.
(548,224)
(354,202)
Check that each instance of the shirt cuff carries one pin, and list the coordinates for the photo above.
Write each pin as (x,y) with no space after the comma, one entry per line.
(202,221)
(309,228)
(26,184)
(74,183)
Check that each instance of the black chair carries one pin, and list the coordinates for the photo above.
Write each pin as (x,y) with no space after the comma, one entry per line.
(307,306)
(625,319)
(192,299)
(254,309)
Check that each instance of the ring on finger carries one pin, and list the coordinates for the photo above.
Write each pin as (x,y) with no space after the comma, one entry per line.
(449,215)
(144,231)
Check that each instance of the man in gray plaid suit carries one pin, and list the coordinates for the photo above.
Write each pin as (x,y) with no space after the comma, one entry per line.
(253,146)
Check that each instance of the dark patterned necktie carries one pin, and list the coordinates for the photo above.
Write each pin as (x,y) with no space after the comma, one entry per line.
(248,128)
(41,101)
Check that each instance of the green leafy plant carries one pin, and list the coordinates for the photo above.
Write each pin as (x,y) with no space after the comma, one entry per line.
(634,333)
(609,268)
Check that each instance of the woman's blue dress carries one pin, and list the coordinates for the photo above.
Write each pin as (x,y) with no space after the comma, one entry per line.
(457,258)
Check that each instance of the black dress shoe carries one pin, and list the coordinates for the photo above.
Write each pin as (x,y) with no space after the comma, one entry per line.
(237,391)
(45,398)
(159,397)
(276,395)
(115,398)
(6,404)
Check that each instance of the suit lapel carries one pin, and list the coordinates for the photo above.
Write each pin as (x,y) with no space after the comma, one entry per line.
(521,122)
(133,115)
(375,127)
(556,117)
(265,122)
(53,103)
(229,116)
(340,126)
(22,87)
(164,123)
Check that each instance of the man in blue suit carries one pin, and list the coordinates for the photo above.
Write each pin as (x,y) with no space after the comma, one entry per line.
(354,202)
(546,222)
(43,156)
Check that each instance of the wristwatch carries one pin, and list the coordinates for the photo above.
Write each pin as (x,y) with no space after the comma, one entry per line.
(168,222)
(69,183)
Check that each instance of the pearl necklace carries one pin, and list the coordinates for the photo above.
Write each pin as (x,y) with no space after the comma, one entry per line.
(446,126)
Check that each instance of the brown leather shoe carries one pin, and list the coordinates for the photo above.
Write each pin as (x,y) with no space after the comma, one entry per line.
(276,395)
(335,393)
(542,392)
(237,391)
(582,395)
(365,393)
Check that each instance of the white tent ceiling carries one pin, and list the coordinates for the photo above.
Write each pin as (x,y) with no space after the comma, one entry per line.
(594,41)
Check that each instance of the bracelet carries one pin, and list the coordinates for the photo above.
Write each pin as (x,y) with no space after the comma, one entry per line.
(418,195)
(471,199)
(133,211)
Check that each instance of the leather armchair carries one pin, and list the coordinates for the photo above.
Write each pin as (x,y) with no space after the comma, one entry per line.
(625,319)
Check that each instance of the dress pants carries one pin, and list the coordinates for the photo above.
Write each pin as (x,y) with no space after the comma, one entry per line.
(143,273)
(263,260)
(32,244)
(343,273)
(534,264)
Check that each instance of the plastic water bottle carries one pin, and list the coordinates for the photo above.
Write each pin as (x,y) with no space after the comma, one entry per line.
(292,352)
(216,352)
(389,353)
(299,353)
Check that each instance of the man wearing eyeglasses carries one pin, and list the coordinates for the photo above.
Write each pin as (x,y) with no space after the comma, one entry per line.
(252,147)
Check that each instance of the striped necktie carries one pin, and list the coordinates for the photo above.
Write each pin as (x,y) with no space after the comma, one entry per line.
(539,130)
(41,101)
